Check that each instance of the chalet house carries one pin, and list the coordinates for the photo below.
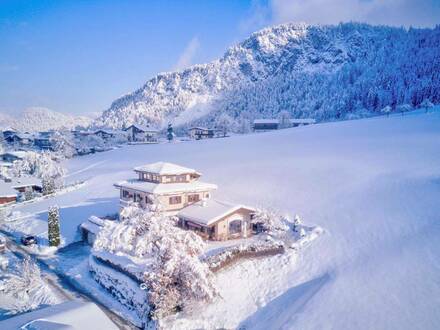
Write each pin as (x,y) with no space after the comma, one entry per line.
(8,132)
(301,122)
(264,125)
(217,220)
(104,134)
(20,139)
(43,142)
(10,157)
(173,186)
(180,193)
(13,190)
(138,133)
(199,133)
(7,194)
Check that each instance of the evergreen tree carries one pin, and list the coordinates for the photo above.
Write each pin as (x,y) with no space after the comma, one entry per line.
(170,132)
(53,223)
(49,185)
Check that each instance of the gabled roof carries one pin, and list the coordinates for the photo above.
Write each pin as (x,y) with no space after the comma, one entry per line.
(164,168)
(166,188)
(207,212)
(18,154)
(25,181)
(6,190)
(201,128)
(141,128)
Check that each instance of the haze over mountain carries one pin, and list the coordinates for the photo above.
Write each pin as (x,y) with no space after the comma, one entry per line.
(42,119)
(324,72)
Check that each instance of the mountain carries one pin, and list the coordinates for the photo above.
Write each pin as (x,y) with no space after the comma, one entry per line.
(325,72)
(42,119)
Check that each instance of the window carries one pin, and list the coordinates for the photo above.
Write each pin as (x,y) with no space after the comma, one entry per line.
(137,198)
(175,199)
(125,194)
(193,198)
(235,227)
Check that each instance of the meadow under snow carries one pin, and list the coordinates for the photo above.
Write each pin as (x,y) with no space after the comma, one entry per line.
(372,184)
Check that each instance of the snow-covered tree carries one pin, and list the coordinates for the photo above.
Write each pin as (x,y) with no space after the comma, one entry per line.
(40,165)
(89,142)
(63,144)
(297,222)
(224,123)
(53,223)
(426,104)
(27,287)
(175,274)
(269,220)
(284,119)
(404,108)
(386,110)
(170,132)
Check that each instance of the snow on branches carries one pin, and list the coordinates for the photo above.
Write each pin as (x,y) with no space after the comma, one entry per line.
(269,221)
(27,287)
(174,274)
(40,165)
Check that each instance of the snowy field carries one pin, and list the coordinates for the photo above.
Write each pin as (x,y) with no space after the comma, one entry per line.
(372,184)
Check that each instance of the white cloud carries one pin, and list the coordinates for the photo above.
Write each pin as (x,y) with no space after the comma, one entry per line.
(187,56)
(417,13)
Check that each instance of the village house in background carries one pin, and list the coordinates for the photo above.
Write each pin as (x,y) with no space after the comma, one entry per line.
(16,189)
(138,133)
(180,193)
(200,133)
(12,156)
(264,125)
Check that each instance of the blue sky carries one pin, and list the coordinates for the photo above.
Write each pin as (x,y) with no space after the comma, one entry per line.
(78,56)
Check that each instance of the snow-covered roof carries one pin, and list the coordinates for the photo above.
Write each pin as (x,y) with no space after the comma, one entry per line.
(266,121)
(93,224)
(73,314)
(6,190)
(165,188)
(163,168)
(202,128)
(142,128)
(209,211)
(18,154)
(25,181)
(5,164)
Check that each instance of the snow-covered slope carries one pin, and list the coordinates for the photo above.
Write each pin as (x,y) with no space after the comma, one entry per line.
(372,184)
(42,119)
(324,72)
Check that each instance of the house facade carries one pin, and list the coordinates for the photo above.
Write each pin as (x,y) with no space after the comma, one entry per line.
(217,220)
(180,192)
(138,133)
(199,133)
(173,186)
(264,125)
(12,156)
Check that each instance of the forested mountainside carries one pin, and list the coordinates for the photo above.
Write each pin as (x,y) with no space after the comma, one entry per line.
(324,72)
